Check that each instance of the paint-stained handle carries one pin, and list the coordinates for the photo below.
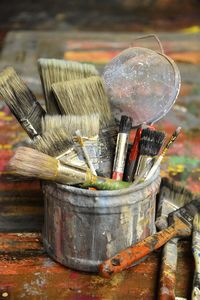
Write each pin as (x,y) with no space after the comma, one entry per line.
(134,253)
(196,287)
(168,271)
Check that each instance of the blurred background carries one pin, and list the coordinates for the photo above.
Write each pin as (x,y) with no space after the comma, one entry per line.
(104,15)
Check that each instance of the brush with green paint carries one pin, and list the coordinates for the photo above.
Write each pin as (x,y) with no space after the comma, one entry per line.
(32,163)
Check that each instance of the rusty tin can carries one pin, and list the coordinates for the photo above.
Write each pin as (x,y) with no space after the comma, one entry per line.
(84,227)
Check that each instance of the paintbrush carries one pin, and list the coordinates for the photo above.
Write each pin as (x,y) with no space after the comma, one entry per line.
(132,159)
(128,175)
(83,97)
(88,125)
(196,254)
(181,225)
(21,102)
(57,70)
(61,145)
(164,151)
(59,139)
(121,147)
(85,152)
(149,146)
(171,197)
(99,144)
(32,163)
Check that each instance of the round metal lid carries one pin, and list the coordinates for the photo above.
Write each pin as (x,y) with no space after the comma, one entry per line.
(142,84)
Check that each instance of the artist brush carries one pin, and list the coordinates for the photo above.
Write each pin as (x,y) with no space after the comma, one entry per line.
(85,152)
(88,125)
(83,97)
(132,159)
(57,70)
(196,254)
(121,147)
(181,225)
(149,146)
(32,163)
(163,153)
(59,144)
(21,102)
(171,197)
(58,130)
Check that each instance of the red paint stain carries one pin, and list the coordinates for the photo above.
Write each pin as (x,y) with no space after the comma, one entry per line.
(74,275)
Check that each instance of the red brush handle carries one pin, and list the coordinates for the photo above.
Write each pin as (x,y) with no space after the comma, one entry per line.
(134,253)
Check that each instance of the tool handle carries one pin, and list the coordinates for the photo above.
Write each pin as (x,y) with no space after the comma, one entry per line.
(132,254)
(196,286)
(168,271)
(196,254)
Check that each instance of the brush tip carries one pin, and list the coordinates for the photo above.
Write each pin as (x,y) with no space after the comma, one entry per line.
(178,130)
(151,142)
(125,124)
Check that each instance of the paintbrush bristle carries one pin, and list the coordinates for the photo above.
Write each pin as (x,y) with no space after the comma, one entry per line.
(148,148)
(176,194)
(57,70)
(83,97)
(125,124)
(53,143)
(196,223)
(21,101)
(151,142)
(31,163)
(88,124)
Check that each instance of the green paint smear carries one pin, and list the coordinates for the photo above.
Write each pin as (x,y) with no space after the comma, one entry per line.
(183,160)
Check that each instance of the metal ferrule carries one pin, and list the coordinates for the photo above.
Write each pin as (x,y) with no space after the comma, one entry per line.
(70,175)
(184,215)
(28,127)
(144,162)
(120,152)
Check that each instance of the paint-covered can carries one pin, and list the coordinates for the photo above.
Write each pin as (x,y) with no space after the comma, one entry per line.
(84,227)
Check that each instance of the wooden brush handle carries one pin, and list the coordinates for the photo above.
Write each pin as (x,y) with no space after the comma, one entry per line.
(196,279)
(168,271)
(134,253)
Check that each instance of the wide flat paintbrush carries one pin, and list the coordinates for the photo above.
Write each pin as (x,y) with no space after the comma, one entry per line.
(100,144)
(88,124)
(149,146)
(83,97)
(59,139)
(181,225)
(171,197)
(32,163)
(21,102)
(196,254)
(58,70)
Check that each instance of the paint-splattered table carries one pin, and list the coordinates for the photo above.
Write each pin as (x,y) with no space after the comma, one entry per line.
(26,272)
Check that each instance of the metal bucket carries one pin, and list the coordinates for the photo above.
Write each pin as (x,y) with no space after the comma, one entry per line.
(84,227)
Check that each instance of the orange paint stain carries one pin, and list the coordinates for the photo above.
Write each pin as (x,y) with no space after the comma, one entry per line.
(99,57)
